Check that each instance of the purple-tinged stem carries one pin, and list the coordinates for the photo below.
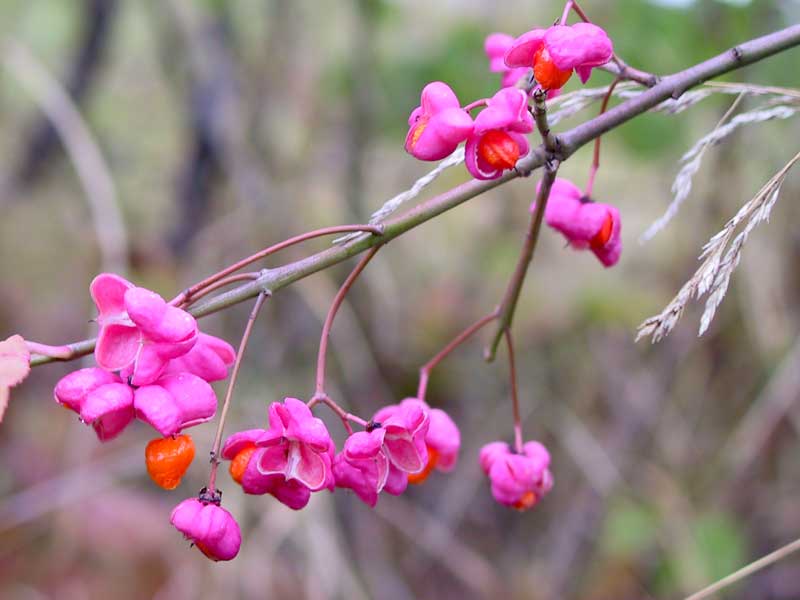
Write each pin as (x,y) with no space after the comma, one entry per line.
(65,352)
(225,281)
(319,394)
(476,104)
(565,15)
(326,327)
(505,311)
(512,367)
(579,11)
(55,352)
(212,476)
(425,370)
(596,158)
(189,294)
(624,71)
(345,416)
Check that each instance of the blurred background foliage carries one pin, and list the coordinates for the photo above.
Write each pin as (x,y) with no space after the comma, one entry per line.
(228,126)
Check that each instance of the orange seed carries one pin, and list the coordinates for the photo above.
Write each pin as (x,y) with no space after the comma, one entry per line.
(433,458)
(167,459)
(239,463)
(601,237)
(527,501)
(498,149)
(547,74)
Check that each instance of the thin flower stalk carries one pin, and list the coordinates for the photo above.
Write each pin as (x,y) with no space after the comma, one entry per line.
(212,477)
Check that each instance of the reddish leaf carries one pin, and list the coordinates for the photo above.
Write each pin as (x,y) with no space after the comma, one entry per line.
(14,367)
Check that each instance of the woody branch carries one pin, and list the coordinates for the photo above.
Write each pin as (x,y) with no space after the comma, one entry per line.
(566,144)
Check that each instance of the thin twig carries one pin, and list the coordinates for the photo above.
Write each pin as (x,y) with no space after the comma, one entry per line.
(319,393)
(623,70)
(672,86)
(346,417)
(425,370)
(224,282)
(579,11)
(596,156)
(512,368)
(212,476)
(748,570)
(565,13)
(326,327)
(56,352)
(190,293)
(505,311)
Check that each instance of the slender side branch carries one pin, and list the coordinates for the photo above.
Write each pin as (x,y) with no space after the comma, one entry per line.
(55,352)
(624,71)
(596,157)
(617,66)
(565,13)
(326,327)
(579,11)
(748,570)
(192,292)
(425,370)
(671,86)
(212,477)
(505,311)
(221,283)
(345,416)
(65,352)
(319,393)
(512,367)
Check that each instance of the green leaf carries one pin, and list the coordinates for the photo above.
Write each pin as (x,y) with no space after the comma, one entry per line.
(629,529)
(720,545)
